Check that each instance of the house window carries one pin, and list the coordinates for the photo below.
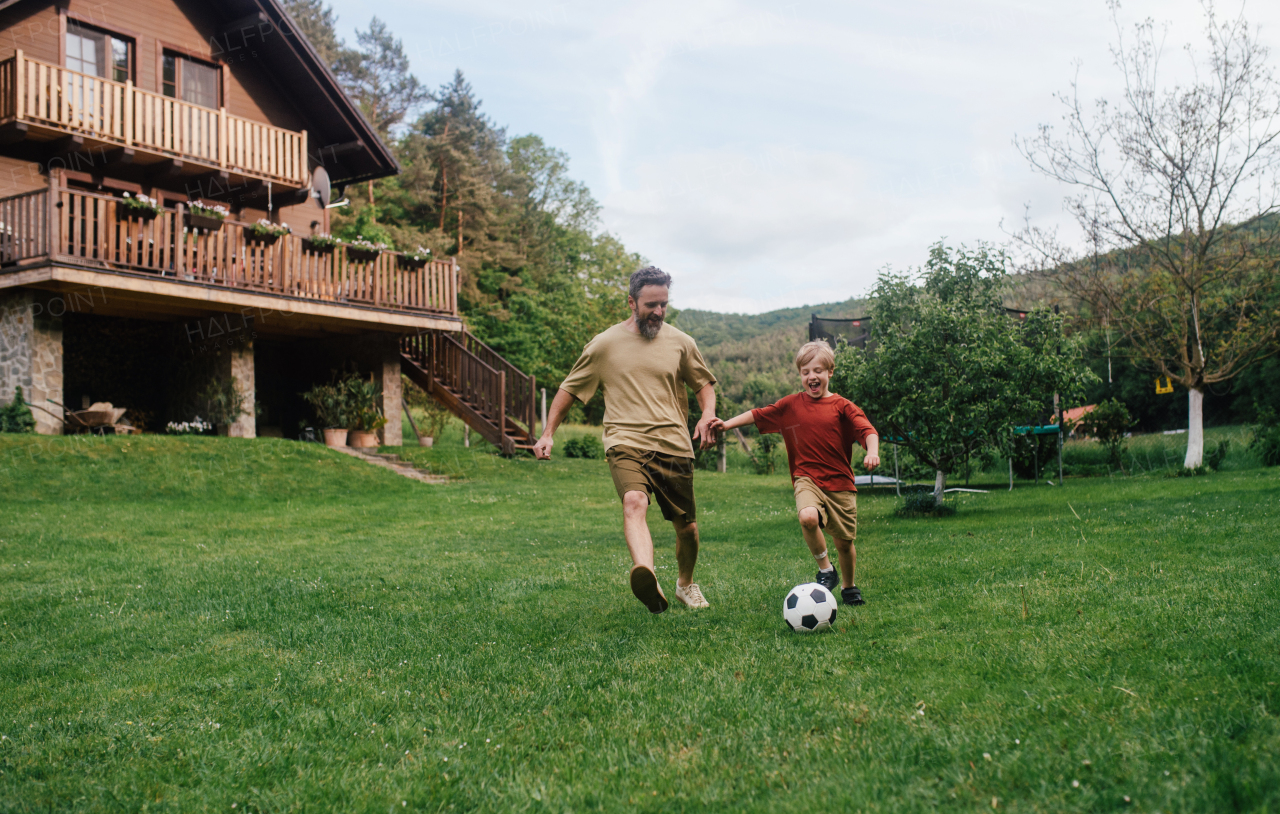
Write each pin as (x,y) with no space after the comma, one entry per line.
(97,53)
(190,81)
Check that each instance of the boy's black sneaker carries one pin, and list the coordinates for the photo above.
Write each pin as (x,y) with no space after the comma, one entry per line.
(852,596)
(828,579)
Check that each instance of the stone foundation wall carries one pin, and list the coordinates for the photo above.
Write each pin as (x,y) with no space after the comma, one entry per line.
(31,355)
(392,393)
(237,363)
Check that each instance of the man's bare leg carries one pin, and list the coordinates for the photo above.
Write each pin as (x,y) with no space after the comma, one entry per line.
(687,591)
(848,560)
(813,537)
(635,527)
(686,549)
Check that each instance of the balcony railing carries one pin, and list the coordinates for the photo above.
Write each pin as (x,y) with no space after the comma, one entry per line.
(69,101)
(96,231)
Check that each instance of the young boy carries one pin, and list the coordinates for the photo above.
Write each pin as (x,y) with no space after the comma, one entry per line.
(820,429)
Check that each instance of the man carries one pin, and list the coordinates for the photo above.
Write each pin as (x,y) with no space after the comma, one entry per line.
(644,365)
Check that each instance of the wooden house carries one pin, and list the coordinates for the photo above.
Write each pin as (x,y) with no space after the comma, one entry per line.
(212,104)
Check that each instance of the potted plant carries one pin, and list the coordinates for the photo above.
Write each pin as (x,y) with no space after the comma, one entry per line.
(366,417)
(138,206)
(322,243)
(266,232)
(206,216)
(330,404)
(415,259)
(223,403)
(362,250)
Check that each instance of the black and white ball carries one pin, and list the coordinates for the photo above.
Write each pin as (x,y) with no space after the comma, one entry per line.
(809,607)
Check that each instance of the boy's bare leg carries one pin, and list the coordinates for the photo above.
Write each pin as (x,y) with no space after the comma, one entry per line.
(814,538)
(848,560)
(686,549)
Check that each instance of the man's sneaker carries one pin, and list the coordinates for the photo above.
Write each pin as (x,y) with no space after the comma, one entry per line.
(852,596)
(828,579)
(691,595)
(644,584)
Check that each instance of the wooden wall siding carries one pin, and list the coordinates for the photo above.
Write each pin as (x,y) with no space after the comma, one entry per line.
(67,100)
(97,230)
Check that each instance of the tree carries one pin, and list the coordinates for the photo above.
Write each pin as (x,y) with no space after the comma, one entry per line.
(950,373)
(317,23)
(377,77)
(1177,196)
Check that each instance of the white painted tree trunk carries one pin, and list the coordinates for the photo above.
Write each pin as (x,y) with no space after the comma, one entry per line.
(939,486)
(1195,428)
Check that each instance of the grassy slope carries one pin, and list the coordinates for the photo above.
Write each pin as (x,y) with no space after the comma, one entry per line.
(192,623)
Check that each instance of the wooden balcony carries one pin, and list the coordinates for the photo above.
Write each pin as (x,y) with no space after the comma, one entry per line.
(48,101)
(93,233)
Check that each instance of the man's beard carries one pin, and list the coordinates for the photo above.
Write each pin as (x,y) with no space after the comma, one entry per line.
(649,326)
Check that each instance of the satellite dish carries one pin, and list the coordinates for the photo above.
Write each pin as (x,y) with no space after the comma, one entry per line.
(320,186)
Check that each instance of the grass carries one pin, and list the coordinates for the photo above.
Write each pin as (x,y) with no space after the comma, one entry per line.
(192,624)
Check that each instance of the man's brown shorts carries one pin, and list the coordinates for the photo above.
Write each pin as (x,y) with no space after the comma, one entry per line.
(837,511)
(666,477)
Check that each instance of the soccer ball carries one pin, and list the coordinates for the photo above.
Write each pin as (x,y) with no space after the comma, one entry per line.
(809,607)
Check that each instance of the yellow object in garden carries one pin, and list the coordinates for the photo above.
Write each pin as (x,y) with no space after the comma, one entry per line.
(1163,385)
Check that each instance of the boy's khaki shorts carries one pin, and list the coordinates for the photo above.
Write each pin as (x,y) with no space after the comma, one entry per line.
(837,511)
(666,477)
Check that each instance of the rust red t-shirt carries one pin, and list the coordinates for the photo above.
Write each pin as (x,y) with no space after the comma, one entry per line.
(820,434)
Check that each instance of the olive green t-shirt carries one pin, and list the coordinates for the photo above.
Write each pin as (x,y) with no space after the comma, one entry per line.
(645,405)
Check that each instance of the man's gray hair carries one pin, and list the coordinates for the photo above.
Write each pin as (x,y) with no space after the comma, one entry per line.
(649,275)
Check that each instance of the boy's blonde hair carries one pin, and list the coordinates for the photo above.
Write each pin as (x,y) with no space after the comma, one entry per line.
(819,349)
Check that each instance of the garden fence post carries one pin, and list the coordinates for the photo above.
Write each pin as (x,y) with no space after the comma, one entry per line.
(1010,473)
(1057,406)
(544,409)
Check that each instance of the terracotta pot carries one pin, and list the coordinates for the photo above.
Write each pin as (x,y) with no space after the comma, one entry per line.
(335,438)
(363,439)
(426,441)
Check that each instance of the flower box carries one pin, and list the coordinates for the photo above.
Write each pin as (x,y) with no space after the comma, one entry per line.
(266,232)
(358,254)
(206,222)
(138,207)
(413,261)
(319,246)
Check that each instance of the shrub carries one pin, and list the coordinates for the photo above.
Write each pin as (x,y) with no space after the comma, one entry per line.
(1266,437)
(1108,422)
(766,452)
(588,446)
(362,403)
(222,401)
(918,501)
(1217,455)
(330,403)
(16,415)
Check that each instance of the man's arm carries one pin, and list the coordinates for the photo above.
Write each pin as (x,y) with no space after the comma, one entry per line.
(707,401)
(872,458)
(559,407)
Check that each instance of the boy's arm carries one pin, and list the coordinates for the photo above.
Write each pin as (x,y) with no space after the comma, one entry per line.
(733,423)
(872,459)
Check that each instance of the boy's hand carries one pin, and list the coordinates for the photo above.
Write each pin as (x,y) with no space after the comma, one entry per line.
(871,462)
(716,426)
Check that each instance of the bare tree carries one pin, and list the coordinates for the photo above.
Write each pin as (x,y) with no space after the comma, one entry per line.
(1177,196)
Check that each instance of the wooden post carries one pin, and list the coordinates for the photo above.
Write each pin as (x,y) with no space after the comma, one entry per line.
(51,212)
(128,112)
(897,478)
(502,402)
(19,84)
(723,464)
(222,137)
(304,160)
(544,409)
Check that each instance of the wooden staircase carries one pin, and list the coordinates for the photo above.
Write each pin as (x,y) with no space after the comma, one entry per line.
(476,384)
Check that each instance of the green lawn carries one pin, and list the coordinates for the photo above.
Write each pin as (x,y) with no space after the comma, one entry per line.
(204,624)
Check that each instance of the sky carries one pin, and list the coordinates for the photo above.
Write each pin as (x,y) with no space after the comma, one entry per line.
(772,155)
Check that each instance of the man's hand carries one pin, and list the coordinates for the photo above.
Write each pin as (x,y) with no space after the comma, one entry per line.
(705,432)
(542,449)
(871,462)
